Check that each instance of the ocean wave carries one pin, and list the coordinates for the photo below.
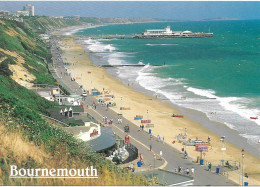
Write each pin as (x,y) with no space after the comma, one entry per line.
(97,46)
(109,47)
(140,62)
(252,139)
(160,44)
(238,105)
(231,126)
(71,32)
(147,79)
(116,58)
(201,92)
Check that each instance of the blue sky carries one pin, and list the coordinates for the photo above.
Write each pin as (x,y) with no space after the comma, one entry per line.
(180,10)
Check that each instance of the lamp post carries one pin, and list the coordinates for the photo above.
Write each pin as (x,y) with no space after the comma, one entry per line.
(243,155)
(154,157)
(81,81)
(223,149)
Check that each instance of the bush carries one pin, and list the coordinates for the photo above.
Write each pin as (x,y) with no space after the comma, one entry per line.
(116,160)
(75,124)
(10,43)
(4,69)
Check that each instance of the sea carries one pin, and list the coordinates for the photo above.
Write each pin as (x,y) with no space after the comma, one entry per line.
(219,75)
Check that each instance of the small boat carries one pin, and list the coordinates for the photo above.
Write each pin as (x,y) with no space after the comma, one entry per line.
(254,117)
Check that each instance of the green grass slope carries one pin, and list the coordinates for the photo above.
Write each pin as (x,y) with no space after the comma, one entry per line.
(27,140)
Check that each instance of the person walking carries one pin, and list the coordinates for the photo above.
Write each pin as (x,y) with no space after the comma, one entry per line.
(179,169)
(188,171)
(150,147)
(185,154)
(163,139)
(131,166)
(209,167)
(192,170)
(208,139)
(160,155)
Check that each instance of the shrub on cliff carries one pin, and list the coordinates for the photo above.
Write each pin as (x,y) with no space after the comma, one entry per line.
(4,69)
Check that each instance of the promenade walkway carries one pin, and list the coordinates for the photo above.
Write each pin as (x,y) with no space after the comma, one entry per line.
(172,158)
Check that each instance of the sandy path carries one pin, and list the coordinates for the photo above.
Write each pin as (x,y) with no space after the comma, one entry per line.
(158,112)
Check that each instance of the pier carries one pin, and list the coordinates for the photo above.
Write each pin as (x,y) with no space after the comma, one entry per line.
(112,36)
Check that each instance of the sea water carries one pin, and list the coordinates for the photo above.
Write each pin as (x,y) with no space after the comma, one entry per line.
(219,76)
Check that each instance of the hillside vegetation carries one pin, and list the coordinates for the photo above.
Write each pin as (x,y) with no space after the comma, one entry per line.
(45,23)
(95,20)
(26,139)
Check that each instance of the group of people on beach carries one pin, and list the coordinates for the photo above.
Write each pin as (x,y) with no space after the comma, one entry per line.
(141,128)
(160,139)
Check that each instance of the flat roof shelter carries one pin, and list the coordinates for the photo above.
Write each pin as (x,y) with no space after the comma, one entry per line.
(74,100)
(104,142)
(58,113)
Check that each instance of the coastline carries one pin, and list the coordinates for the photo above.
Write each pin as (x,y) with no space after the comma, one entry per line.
(141,102)
(219,128)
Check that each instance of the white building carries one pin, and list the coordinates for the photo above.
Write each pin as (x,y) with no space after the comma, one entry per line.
(88,132)
(74,100)
(4,13)
(29,8)
(47,95)
(19,13)
(166,31)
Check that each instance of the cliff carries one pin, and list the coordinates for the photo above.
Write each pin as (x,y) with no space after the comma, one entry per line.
(27,140)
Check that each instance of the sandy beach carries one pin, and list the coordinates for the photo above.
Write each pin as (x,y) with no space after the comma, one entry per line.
(158,112)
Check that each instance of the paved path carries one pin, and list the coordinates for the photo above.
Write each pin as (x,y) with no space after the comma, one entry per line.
(142,139)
